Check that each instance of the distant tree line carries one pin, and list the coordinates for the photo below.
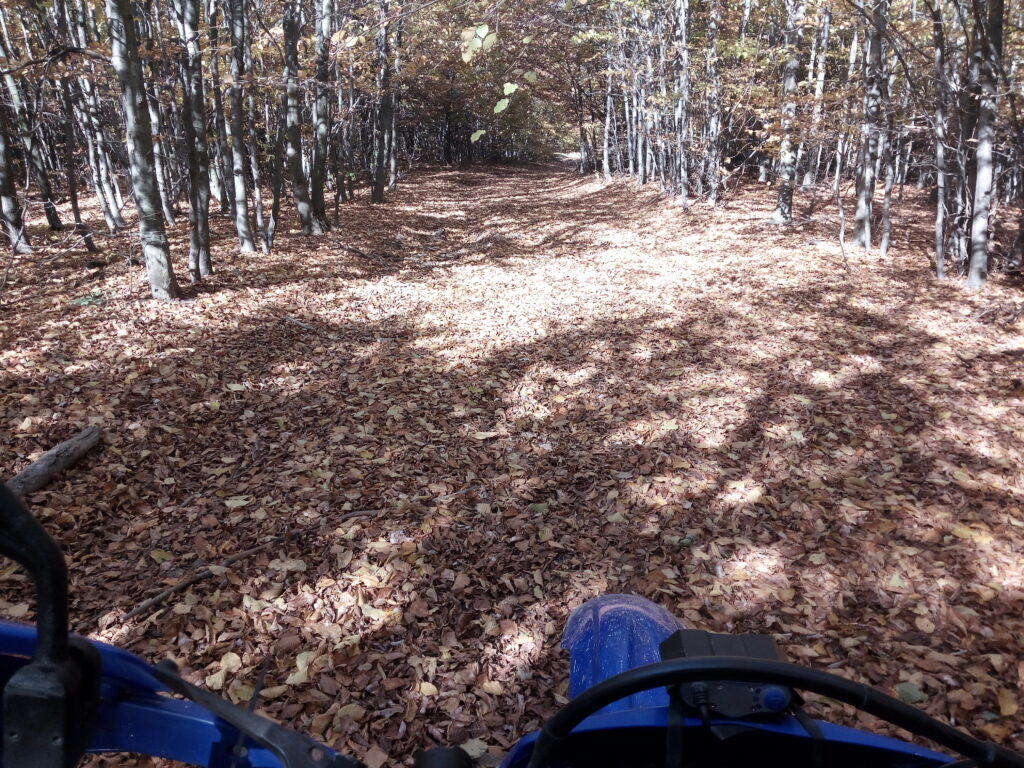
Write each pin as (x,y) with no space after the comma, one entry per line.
(874,94)
(177,107)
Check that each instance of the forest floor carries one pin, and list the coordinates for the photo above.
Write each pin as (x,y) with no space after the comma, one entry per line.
(534,388)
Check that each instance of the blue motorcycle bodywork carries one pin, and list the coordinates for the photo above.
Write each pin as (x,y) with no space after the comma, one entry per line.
(613,633)
(603,637)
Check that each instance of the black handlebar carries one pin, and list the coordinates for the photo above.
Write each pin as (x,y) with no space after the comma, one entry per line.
(695,669)
(25,542)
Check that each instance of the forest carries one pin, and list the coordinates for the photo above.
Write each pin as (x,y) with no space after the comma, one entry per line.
(390,331)
(249,106)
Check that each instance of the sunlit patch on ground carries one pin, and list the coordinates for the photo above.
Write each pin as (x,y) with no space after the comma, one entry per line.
(513,395)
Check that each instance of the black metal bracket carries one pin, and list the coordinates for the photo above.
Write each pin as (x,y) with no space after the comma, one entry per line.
(293,749)
(49,705)
(722,698)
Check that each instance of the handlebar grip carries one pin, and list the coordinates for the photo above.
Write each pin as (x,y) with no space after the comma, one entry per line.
(443,757)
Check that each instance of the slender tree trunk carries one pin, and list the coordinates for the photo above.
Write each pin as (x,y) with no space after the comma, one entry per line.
(992,48)
(125,58)
(33,148)
(159,163)
(811,176)
(385,105)
(713,158)
(223,154)
(795,10)
(236,22)
(293,133)
(321,111)
(888,168)
(682,107)
(941,98)
(609,108)
(875,92)
(10,209)
(199,262)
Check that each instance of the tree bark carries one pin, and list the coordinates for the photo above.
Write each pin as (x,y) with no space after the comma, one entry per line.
(941,98)
(125,58)
(875,93)
(199,262)
(992,47)
(42,471)
(385,106)
(236,23)
(293,118)
(795,10)
(10,208)
(321,111)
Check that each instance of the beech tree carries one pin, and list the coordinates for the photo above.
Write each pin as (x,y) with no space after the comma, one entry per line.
(124,45)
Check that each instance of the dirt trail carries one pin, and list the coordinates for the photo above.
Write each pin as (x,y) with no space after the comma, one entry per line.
(544,388)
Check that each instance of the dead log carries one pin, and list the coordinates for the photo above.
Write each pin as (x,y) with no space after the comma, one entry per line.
(40,472)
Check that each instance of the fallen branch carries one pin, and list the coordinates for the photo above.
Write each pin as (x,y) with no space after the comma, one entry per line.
(301,324)
(358,513)
(206,573)
(40,472)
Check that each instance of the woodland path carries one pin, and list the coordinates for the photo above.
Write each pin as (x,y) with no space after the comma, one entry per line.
(544,388)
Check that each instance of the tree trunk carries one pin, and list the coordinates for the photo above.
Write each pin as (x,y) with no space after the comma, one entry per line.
(385,105)
(225,187)
(992,48)
(199,263)
(875,92)
(941,97)
(321,111)
(236,22)
(795,10)
(125,58)
(10,209)
(293,118)
(713,158)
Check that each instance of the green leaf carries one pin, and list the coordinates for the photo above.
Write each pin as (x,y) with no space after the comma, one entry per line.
(482,30)
(501,106)
(909,693)
(476,136)
(489,41)
(528,39)
(510,88)
(530,77)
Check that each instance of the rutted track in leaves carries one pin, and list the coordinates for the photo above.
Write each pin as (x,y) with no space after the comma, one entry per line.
(546,389)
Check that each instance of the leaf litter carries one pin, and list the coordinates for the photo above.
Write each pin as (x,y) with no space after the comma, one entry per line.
(506,392)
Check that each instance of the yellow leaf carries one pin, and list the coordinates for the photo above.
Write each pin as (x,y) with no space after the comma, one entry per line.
(492,687)
(161,555)
(474,747)
(428,689)
(924,624)
(1007,702)
(300,675)
(353,711)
